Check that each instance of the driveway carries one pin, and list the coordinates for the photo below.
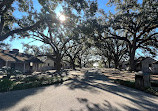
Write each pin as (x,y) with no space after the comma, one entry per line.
(90,91)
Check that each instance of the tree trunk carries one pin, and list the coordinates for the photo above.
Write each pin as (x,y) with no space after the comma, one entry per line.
(109,63)
(116,61)
(80,63)
(72,62)
(104,64)
(116,64)
(73,66)
(58,64)
(131,60)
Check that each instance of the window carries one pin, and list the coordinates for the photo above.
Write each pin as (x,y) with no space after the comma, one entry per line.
(48,64)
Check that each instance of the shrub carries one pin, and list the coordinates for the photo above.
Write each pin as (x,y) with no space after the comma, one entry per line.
(9,71)
(30,79)
(151,91)
(125,83)
(6,85)
(26,85)
(154,84)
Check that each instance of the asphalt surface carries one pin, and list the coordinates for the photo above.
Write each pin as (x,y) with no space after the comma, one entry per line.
(90,91)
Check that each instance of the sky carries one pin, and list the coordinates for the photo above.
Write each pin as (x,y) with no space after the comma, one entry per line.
(17,43)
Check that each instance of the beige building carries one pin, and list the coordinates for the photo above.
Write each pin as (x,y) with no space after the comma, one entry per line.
(48,64)
(146,64)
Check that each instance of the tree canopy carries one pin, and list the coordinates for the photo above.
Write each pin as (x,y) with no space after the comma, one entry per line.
(132,27)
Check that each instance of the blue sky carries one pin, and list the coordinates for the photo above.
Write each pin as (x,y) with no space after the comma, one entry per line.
(17,43)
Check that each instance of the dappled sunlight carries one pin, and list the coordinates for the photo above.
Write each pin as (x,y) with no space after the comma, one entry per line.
(89,91)
(94,106)
(98,82)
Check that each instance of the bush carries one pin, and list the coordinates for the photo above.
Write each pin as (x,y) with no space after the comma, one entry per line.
(6,85)
(154,84)
(125,83)
(151,91)
(9,71)
(26,85)
(30,79)
(132,85)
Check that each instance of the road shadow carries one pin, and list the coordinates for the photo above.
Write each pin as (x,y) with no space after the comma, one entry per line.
(9,99)
(92,81)
(105,106)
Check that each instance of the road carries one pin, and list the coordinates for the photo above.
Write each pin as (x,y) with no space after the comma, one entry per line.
(90,91)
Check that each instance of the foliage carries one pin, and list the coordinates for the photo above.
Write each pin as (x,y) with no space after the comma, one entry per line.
(154,84)
(12,25)
(4,46)
(135,23)
(152,91)
(36,50)
(29,82)
(132,85)
(125,83)
(112,49)
(10,71)
(6,85)
(26,85)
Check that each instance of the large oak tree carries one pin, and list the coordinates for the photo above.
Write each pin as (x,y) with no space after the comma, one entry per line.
(135,23)
(12,24)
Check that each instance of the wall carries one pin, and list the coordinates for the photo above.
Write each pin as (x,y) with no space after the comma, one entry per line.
(19,66)
(2,63)
(146,63)
(155,68)
(47,65)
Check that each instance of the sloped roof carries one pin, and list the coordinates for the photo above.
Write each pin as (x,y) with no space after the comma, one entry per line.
(140,59)
(155,62)
(34,60)
(11,56)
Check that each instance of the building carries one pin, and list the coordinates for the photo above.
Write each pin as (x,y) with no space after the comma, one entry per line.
(155,67)
(145,64)
(48,63)
(19,61)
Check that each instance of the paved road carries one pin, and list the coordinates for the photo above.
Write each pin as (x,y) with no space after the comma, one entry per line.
(89,92)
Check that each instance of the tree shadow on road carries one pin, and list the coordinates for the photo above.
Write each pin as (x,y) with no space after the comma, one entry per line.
(95,81)
(90,106)
(9,99)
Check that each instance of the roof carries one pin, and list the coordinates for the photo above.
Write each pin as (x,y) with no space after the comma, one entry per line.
(43,58)
(34,60)
(155,62)
(12,56)
(140,59)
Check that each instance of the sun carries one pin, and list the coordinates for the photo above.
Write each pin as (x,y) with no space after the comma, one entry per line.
(62,17)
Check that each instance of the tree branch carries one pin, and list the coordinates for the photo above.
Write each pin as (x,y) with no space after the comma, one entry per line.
(2,37)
